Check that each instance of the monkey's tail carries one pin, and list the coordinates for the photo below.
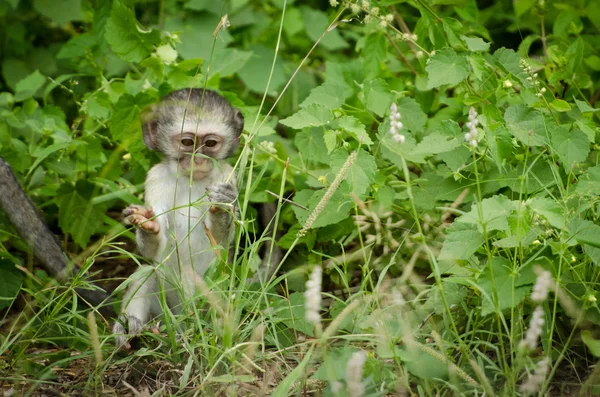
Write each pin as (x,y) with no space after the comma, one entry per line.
(30,225)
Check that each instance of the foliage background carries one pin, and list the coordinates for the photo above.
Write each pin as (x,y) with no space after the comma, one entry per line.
(435,240)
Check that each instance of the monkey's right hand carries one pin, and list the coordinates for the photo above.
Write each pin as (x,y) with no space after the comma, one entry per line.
(141,217)
(134,325)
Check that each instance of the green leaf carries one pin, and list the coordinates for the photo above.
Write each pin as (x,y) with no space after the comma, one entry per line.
(509,61)
(78,46)
(125,124)
(549,209)
(330,95)
(316,22)
(310,116)
(560,106)
(592,343)
(362,173)
(413,117)
(378,96)
(76,214)
(10,283)
(60,11)
(336,209)
(311,145)
(585,232)
(461,242)
(494,213)
(29,86)
(330,137)
(522,6)
(475,44)
(355,128)
(374,52)
(436,143)
(526,124)
(572,147)
(446,67)
(126,38)
(255,73)
(584,107)
(511,285)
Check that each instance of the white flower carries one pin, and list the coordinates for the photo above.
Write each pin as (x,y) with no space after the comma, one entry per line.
(537,378)
(333,3)
(312,296)
(396,124)
(419,54)
(535,329)
(541,287)
(507,84)
(354,373)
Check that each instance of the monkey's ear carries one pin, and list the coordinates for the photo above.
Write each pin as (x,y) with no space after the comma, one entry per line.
(149,128)
(238,122)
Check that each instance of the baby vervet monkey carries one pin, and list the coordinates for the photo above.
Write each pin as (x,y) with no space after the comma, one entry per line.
(190,200)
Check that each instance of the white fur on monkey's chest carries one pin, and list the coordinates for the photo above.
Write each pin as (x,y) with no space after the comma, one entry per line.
(182,210)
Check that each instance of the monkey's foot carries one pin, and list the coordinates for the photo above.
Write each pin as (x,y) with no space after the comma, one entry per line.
(223,195)
(134,325)
(141,217)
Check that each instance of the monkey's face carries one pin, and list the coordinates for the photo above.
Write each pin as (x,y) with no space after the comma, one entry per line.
(197,151)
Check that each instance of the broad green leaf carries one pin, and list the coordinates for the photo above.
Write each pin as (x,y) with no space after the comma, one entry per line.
(378,96)
(78,46)
(310,116)
(446,67)
(526,124)
(355,128)
(374,52)
(412,116)
(98,106)
(76,214)
(336,208)
(522,6)
(166,54)
(494,213)
(509,61)
(29,86)
(362,173)
(589,182)
(293,314)
(126,38)
(461,242)
(476,43)
(311,145)
(510,285)
(330,137)
(316,23)
(436,143)
(584,107)
(256,73)
(329,95)
(560,105)
(549,209)
(585,232)
(125,124)
(60,11)
(421,364)
(592,343)
(572,146)
(10,282)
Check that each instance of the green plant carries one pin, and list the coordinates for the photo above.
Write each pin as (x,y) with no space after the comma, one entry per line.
(432,227)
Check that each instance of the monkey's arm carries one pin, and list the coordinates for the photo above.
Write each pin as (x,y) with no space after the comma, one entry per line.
(220,216)
(30,225)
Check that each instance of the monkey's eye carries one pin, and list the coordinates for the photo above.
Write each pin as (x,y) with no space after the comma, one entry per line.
(211,143)
(187,142)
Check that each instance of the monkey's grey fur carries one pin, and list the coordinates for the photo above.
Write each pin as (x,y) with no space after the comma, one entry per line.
(30,225)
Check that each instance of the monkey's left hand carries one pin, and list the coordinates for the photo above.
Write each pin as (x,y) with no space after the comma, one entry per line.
(223,196)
